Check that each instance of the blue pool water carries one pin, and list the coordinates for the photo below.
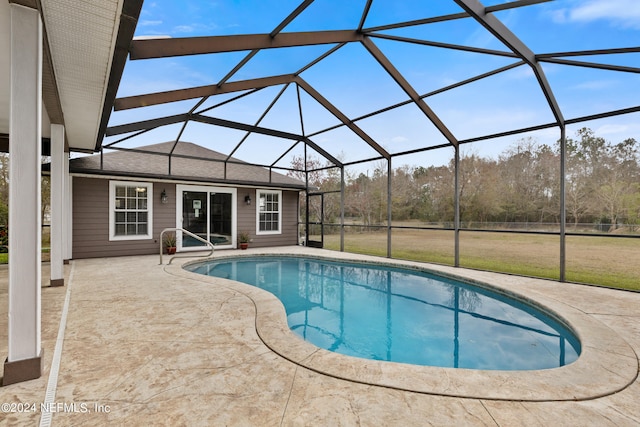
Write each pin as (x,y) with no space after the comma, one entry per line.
(401,315)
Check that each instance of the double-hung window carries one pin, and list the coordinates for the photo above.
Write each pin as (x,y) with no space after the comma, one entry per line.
(130,210)
(269,212)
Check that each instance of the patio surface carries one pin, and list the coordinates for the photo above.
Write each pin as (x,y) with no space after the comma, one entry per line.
(146,344)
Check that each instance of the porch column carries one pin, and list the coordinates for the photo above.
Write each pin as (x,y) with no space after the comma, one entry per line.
(57,205)
(24,361)
(67,237)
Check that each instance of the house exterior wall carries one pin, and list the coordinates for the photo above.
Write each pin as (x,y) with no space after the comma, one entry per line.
(247,219)
(91,219)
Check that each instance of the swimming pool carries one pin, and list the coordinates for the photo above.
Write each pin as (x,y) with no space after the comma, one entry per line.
(401,315)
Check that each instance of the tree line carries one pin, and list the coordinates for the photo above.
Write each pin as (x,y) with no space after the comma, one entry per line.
(4,190)
(521,185)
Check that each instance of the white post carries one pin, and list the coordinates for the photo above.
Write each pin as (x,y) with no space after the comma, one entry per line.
(57,205)
(24,361)
(68,211)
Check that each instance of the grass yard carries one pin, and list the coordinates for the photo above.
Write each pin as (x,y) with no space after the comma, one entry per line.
(596,260)
(4,257)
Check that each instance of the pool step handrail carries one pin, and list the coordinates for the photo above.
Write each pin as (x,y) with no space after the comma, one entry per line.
(175,229)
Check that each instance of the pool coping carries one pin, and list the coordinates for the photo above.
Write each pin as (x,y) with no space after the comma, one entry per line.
(607,363)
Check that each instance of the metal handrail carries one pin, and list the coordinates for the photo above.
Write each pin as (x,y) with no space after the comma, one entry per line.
(190,234)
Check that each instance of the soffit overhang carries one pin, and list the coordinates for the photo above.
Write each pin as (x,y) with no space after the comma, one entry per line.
(81,58)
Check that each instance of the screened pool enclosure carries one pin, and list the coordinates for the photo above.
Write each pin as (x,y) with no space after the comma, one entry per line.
(492,135)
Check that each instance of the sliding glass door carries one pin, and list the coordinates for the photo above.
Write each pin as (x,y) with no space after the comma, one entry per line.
(209,213)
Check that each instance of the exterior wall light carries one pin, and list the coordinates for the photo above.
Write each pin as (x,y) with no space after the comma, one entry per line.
(163,197)
(247,200)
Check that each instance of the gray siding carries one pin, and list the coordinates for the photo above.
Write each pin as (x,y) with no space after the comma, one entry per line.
(91,220)
(247,220)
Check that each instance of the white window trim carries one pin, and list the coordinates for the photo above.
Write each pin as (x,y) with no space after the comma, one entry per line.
(279,193)
(112,210)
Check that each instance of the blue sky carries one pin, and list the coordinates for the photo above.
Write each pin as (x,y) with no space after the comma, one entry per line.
(354,82)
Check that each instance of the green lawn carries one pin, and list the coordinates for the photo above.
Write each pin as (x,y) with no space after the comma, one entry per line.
(589,259)
(595,260)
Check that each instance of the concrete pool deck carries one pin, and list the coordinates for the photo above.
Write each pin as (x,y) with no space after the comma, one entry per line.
(154,345)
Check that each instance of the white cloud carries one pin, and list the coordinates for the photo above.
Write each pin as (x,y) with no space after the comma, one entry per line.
(559,16)
(594,85)
(521,72)
(146,23)
(183,29)
(194,28)
(625,13)
(399,139)
(612,129)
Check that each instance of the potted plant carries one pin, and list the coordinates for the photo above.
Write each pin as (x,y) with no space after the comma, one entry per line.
(170,243)
(243,239)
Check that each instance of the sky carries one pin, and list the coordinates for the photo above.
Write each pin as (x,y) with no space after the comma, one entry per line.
(353,81)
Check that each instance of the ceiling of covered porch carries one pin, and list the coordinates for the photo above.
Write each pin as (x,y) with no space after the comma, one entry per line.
(85,44)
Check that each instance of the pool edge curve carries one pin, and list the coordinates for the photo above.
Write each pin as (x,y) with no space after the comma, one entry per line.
(607,364)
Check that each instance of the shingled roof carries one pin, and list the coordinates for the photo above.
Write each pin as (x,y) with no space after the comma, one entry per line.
(187,162)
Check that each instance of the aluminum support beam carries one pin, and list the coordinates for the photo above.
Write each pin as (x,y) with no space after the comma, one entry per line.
(162,48)
(154,123)
(263,131)
(476,10)
(146,124)
(409,90)
(342,199)
(298,10)
(237,68)
(146,100)
(323,152)
(273,33)
(262,116)
(456,204)
(246,127)
(340,116)
(613,51)
(306,198)
(445,45)
(563,202)
(365,13)
(309,142)
(454,16)
(591,65)
(389,207)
